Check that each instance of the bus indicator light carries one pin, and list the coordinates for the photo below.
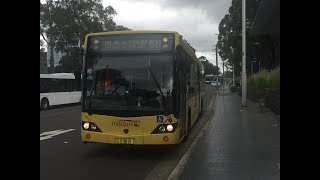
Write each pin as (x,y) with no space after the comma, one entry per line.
(166,138)
(88,136)
(162,129)
(93,127)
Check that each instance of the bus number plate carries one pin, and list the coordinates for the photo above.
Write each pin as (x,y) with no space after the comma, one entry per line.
(124,141)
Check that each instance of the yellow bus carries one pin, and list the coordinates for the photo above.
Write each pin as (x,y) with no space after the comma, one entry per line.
(139,87)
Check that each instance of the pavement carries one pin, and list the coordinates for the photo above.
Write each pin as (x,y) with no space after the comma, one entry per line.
(238,143)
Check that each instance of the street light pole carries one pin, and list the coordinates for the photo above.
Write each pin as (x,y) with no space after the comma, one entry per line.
(233,74)
(222,72)
(217,60)
(244,74)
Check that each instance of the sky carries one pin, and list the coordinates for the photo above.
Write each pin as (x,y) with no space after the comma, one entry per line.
(196,20)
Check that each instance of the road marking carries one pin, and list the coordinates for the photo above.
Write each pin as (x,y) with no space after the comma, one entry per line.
(184,160)
(50,134)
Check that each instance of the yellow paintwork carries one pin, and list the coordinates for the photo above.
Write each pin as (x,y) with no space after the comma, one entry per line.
(141,134)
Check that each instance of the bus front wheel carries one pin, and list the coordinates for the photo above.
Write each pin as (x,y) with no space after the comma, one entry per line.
(44,103)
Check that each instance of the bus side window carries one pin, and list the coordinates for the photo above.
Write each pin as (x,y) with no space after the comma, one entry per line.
(75,85)
(191,73)
(44,85)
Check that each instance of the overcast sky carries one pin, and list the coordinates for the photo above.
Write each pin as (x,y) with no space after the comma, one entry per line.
(196,20)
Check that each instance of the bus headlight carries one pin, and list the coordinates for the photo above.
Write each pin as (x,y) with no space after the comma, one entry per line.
(86,125)
(90,126)
(93,127)
(169,127)
(162,129)
(165,128)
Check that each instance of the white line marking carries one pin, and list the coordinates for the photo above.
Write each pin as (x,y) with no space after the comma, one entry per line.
(184,160)
(50,134)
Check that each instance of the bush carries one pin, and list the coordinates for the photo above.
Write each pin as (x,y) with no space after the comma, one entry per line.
(274,79)
(234,88)
(265,79)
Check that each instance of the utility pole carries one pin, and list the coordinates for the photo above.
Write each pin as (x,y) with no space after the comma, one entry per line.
(223,73)
(244,74)
(233,74)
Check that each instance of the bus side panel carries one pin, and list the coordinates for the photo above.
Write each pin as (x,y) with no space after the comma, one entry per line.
(76,96)
(194,107)
(59,98)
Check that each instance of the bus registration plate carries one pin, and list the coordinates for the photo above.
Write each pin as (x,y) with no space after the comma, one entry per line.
(124,141)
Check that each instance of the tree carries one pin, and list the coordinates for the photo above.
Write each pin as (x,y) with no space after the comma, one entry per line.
(64,24)
(43,61)
(48,28)
(69,61)
(122,28)
(228,74)
(230,29)
(203,58)
(209,68)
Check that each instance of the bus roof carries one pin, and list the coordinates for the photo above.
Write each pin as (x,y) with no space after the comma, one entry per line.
(58,76)
(130,32)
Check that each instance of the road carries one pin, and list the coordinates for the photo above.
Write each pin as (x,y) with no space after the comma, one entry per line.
(63,156)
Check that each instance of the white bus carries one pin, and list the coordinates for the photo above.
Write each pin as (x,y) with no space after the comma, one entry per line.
(209,78)
(58,89)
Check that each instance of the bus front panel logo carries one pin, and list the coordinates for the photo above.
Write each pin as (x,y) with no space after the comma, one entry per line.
(126,123)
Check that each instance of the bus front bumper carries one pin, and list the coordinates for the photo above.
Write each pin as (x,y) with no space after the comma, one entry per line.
(152,139)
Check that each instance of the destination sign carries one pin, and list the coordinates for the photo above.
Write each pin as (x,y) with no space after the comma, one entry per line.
(132,43)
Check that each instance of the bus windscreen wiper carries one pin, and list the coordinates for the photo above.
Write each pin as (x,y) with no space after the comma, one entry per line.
(94,87)
(158,86)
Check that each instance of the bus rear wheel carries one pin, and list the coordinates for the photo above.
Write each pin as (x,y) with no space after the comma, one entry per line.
(44,103)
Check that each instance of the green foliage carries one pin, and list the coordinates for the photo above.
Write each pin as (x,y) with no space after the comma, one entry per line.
(274,79)
(64,24)
(209,68)
(262,105)
(203,58)
(230,29)
(234,88)
(70,60)
(228,74)
(43,60)
(265,79)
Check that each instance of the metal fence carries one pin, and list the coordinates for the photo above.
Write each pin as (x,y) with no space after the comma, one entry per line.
(271,97)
